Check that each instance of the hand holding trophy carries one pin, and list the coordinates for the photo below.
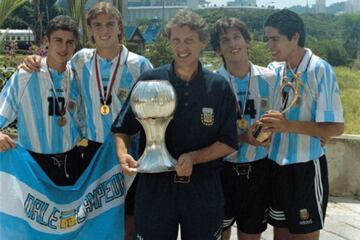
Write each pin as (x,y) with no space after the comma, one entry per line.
(286,87)
(153,103)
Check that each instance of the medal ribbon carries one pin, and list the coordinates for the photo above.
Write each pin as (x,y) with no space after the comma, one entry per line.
(67,79)
(241,111)
(104,98)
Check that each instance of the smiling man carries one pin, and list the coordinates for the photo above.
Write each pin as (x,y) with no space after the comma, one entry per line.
(300,179)
(191,196)
(106,74)
(245,176)
(47,107)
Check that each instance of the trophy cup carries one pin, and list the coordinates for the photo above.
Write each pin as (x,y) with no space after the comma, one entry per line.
(295,87)
(153,103)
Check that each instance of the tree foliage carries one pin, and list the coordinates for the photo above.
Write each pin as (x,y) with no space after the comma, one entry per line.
(351,34)
(259,54)
(159,52)
(7,7)
(76,10)
(33,14)
(332,50)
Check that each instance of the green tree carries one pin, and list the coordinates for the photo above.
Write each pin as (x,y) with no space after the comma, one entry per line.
(34,15)
(7,7)
(77,12)
(332,50)
(351,34)
(259,54)
(159,52)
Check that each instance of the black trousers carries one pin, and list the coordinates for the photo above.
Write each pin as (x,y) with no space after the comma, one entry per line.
(63,169)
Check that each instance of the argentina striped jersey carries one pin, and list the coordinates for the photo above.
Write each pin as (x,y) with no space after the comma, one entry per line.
(260,99)
(319,101)
(131,66)
(29,98)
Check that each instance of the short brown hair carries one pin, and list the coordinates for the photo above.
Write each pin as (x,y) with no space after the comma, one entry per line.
(223,25)
(195,22)
(65,23)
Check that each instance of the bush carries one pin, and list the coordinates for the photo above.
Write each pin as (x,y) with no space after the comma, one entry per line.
(159,52)
(349,83)
(332,51)
(259,54)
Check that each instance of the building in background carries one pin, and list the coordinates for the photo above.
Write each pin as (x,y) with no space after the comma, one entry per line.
(242,3)
(320,6)
(352,6)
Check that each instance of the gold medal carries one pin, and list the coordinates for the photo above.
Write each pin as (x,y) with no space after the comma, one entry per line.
(104,110)
(62,121)
(242,123)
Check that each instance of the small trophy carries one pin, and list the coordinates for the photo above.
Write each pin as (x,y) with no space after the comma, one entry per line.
(153,103)
(294,85)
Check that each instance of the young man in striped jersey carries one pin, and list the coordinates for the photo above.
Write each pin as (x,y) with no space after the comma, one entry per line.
(245,176)
(106,75)
(47,107)
(300,180)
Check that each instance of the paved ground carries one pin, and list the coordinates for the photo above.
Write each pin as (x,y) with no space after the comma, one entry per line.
(342,221)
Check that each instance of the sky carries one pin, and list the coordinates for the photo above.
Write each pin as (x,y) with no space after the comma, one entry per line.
(279,3)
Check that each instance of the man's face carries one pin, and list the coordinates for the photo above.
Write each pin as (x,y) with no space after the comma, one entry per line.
(105,30)
(233,46)
(279,45)
(186,46)
(61,46)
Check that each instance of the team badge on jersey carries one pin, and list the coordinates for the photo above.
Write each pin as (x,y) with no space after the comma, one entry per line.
(304,214)
(71,106)
(207,116)
(265,104)
(122,93)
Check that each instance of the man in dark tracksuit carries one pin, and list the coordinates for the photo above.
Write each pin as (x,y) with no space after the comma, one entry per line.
(202,131)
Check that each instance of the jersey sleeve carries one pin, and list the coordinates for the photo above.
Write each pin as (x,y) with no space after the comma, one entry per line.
(9,100)
(145,65)
(328,104)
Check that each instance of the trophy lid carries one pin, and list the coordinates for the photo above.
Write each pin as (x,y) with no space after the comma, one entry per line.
(153,99)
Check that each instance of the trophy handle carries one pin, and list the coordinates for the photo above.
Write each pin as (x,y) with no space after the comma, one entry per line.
(295,90)
(260,135)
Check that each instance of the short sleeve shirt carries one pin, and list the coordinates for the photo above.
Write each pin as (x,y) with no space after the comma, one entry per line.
(205,113)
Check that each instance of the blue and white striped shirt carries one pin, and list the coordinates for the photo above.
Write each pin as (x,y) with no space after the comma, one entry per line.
(319,101)
(260,99)
(29,99)
(131,67)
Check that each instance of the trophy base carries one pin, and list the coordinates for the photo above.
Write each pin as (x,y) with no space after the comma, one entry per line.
(260,135)
(156,161)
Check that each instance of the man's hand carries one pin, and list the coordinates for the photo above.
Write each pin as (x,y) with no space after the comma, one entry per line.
(6,142)
(324,140)
(275,122)
(31,63)
(185,164)
(250,139)
(128,164)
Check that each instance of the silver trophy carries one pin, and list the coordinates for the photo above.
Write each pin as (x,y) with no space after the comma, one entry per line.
(153,103)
